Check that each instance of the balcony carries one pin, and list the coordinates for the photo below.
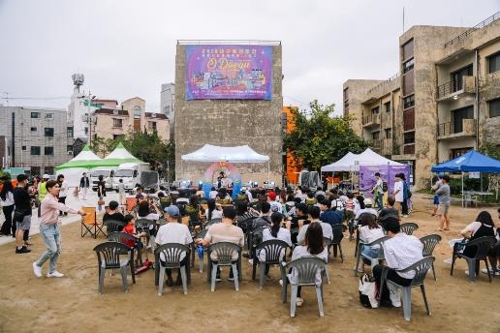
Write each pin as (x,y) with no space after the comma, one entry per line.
(449,90)
(376,144)
(448,130)
(371,121)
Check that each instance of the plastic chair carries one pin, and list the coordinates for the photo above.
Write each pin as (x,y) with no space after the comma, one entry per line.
(306,269)
(275,250)
(169,256)
(408,228)
(469,197)
(131,242)
(147,226)
(430,242)
(212,221)
(338,235)
(420,267)
(483,245)
(113,226)
(224,251)
(374,261)
(112,255)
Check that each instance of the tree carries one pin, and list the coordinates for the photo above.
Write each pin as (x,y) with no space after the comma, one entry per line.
(321,138)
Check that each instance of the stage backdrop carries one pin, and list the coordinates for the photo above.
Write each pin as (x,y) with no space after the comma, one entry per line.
(387,172)
(228,72)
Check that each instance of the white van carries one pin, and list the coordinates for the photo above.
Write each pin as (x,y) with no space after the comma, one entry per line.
(106,172)
(130,173)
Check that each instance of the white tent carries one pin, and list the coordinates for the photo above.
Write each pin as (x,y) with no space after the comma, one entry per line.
(238,154)
(351,162)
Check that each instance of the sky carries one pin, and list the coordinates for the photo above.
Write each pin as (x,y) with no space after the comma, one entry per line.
(126,48)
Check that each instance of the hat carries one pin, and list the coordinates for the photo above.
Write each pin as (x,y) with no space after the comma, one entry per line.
(172,210)
(46,176)
(243,189)
(275,208)
(367,202)
(271,195)
(440,175)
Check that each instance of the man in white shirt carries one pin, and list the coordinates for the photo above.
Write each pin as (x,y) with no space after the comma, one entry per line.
(367,210)
(400,251)
(398,192)
(173,232)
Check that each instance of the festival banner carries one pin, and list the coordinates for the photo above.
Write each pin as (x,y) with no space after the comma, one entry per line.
(228,72)
(367,178)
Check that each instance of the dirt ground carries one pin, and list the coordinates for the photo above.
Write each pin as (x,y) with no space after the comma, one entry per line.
(30,304)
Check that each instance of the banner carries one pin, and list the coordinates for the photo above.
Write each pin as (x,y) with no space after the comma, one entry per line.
(228,72)
(367,178)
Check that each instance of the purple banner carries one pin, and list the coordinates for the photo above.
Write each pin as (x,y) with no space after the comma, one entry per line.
(228,72)
(387,172)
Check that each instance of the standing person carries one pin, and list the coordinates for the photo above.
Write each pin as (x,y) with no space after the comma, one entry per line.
(50,230)
(121,192)
(84,185)
(22,212)
(436,187)
(444,204)
(8,207)
(42,191)
(400,251)
(406,195)
(101,192)
(378,191)
(174,232)
(63,191)
(398,192)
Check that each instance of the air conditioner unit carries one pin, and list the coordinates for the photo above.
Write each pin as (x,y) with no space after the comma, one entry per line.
(70,152)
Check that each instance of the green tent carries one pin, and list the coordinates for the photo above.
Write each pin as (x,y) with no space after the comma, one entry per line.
(85,160)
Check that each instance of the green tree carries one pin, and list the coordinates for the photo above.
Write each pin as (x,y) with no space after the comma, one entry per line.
(321,138)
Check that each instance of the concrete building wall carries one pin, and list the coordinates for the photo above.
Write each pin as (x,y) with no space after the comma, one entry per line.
(354,94)
(229,123)
(167,100)
(40,139)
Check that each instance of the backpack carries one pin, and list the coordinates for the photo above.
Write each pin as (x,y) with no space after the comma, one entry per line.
(368,291)
(385,188)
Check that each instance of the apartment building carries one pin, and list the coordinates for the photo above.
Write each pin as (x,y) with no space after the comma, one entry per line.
(36,139)
(444,100)
(112,123)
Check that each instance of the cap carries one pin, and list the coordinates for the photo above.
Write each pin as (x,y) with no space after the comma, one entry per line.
(367,202)
(172,210)
(46,176)
(275,208)
(243,189)
(271,195)
(440,175)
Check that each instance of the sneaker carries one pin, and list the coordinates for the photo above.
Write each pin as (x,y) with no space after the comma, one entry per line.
(250,261)
(299,301)
(55,274)
(492,271)
(448,261)
(24,249)
(218,279)
(405,215)
(395,299)
(358,269)
(231,278)
(37,270)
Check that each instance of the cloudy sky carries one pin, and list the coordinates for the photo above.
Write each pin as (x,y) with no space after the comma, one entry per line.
(126,48)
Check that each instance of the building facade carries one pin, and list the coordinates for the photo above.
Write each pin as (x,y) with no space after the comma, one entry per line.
(444,101)
(130,117)
(230,121)
(36,139)
(167,101)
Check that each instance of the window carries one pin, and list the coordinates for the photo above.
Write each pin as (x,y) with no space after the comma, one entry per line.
(152,125)
(137,112)
(69,148)
(409,101)
(69,133)
(49,116)
(49,131)
(117,122)
(167,110)
(35,171)
(387,107)
(35,150)
(23,148)
(33,129)
(408,66)
(457,78)
(494,107)
(388,133)
(458,116)
(86,130)
(375,110)
(376,135)
(35,115)
(48,151)
(459,151)
(409,137)
(494,63)
(117,136)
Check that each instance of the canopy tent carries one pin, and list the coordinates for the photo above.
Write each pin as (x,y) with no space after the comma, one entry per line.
(472,161)
(237,154)
(86,159)
(119,156)
(351,162)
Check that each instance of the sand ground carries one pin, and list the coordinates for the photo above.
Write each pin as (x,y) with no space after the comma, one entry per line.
(30,304)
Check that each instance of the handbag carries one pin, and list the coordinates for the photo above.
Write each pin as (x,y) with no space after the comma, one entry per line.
(368,291)
(100,202)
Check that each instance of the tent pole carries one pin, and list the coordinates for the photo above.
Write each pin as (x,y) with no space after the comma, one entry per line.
(463,195)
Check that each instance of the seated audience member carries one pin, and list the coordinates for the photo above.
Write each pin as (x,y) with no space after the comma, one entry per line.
(131,230)
(367,210)
(276,231)
(483,226)
(313,212)
(224,232)
(214,210)
(174,232)
(301,219)
(148,212)
(113,213)
(330,215)
(213,193)
(494,254)
(223,197)
(388,211)
(313,246)
(400,251)
(369,231)
(245,215)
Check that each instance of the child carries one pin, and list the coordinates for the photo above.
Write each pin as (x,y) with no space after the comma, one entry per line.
(121,192)
(131,230)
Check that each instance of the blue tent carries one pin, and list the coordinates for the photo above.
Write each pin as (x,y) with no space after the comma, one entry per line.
(472,161)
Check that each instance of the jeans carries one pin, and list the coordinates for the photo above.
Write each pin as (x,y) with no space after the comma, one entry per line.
(379,200)
(52,238)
